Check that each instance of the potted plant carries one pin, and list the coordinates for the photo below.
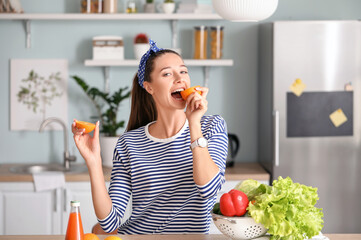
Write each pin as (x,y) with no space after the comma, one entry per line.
(107,107)
(149,6)
(141,45)
(168,6)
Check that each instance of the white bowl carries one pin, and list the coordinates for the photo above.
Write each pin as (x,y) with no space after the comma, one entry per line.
(239,228)
(245,10)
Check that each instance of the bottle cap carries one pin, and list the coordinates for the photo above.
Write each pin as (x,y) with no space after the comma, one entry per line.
(75,203)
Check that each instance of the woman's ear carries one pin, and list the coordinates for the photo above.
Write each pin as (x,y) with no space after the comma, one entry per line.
(148,87)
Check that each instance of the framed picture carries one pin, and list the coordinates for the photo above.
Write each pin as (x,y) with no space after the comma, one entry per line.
(38,90)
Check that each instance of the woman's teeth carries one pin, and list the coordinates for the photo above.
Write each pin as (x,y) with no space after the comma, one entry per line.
(176,94)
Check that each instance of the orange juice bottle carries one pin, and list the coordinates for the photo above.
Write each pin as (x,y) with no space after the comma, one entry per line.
(75,226)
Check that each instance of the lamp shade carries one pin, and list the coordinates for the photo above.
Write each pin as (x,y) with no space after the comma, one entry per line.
(245,10)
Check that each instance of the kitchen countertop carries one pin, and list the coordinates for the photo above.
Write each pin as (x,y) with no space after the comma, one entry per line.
(165,237)
(240,171)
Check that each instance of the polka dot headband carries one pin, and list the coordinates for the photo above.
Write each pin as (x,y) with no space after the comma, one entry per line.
(143,61)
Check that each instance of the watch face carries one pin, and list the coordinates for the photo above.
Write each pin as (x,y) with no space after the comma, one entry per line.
(202,142)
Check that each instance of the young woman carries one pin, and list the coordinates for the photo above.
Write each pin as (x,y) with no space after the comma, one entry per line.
(171,162)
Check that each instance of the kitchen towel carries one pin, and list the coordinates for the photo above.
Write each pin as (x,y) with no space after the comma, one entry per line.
(48,180)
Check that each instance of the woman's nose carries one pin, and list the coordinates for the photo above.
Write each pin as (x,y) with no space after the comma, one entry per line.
(178,78)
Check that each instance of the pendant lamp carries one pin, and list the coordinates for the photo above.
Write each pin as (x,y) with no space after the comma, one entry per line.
(245,10)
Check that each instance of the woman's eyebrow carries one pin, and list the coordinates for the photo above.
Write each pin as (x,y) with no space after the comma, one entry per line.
(164,68)
(170,67)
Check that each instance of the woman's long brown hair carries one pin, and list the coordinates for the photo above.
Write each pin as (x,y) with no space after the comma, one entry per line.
(143,109)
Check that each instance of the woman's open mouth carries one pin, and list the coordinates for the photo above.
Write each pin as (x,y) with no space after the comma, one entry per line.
(176,94)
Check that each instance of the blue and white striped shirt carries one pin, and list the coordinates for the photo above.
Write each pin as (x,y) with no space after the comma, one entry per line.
(158,173)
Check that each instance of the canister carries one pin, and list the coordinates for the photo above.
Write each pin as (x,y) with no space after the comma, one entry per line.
(110,6)
(108,48)
(91,6)
(200,42)
(216,42)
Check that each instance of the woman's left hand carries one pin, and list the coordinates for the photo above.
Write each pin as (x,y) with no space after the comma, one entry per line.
(197,105)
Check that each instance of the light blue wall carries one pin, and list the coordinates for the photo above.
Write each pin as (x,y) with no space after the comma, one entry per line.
(233,90)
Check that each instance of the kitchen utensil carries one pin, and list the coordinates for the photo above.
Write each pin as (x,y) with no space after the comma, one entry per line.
(233,147)
(239,228)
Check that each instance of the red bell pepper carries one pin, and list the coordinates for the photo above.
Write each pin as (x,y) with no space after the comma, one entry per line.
(234,203)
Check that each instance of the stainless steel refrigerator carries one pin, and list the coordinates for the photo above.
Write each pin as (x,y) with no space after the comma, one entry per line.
(313,134)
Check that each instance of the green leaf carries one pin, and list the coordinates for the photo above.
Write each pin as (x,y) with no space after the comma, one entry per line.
(286,209)
(81,83)
(107,106)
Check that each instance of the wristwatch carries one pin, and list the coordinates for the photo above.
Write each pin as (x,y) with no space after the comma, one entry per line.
(200,142)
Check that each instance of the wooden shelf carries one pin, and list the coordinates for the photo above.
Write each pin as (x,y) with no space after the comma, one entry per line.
(105,16)
(206,64)
(28,17)
(133,62)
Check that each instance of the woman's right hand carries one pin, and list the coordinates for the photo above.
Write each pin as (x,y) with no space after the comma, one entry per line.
(88,146)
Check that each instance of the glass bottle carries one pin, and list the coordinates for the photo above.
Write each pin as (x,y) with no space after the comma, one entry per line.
(132,6)
(75,226)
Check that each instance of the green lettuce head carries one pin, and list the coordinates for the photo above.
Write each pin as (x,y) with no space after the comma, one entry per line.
(286,209)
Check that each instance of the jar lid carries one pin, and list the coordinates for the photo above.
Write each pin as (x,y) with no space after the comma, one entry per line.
(200,28)
(75,203)
(108,38)
(214,28)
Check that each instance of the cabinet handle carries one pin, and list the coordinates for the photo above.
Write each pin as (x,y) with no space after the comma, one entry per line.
(276,135)
(56,195)
(65,198)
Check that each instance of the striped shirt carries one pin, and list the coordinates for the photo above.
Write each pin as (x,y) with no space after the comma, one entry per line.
(158,175)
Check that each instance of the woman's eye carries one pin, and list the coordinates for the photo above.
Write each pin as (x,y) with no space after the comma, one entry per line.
(184,72)
(166,74)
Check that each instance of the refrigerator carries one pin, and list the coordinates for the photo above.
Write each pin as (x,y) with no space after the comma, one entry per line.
(309,112)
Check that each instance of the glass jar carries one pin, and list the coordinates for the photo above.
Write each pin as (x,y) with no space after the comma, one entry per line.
(131,6)
(216,42)
(91,6)
(200,42)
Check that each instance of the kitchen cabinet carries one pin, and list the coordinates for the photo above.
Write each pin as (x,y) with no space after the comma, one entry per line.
(26,212)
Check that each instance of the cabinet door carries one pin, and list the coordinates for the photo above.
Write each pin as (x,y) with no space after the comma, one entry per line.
(81,191)
(26,212)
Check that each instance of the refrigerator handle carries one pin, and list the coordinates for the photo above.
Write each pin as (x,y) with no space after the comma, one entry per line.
(276,136)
